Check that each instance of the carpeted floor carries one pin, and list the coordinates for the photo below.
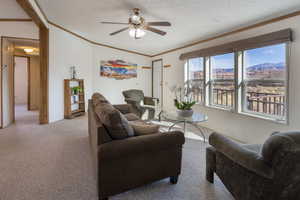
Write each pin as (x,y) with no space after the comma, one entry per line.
(53,162)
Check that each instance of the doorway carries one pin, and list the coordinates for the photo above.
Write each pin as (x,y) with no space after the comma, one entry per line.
(157,80)
(21,81)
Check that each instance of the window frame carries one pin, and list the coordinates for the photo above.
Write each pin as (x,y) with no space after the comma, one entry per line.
(239,86)
(210,83)
(187,78)
(243,101)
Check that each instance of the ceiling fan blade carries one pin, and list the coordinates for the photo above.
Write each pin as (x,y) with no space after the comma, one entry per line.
(159,23)
(119,31)
(114,23)
(154,30)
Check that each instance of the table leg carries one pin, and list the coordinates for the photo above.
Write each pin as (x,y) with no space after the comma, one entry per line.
(199,129)
(178,122)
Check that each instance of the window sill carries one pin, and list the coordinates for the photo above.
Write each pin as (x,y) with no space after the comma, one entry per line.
(252,115)
(257,116)
(220,108)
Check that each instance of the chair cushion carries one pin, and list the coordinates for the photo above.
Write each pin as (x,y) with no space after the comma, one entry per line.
(143,128)
(131,117)
(115,123)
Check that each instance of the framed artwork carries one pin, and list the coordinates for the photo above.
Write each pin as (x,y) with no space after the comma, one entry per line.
(118,69)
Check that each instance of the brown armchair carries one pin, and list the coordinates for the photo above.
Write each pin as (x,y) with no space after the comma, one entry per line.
(136,98)
(124,164)
(257,172)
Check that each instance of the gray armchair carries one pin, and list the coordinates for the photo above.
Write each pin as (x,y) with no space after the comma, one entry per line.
(136,98)
(257,172)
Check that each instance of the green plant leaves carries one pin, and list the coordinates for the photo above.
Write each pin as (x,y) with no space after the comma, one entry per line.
(184,105)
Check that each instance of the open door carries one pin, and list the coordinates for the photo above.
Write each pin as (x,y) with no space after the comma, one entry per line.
(7,95)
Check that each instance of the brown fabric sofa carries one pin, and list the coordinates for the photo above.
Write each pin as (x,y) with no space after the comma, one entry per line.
(124,164)
(257,172)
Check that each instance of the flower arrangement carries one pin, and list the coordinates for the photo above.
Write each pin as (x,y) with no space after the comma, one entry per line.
(184,105)
(183,99)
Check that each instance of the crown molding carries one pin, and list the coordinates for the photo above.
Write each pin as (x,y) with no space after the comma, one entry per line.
(15,20)
(263,23)
(96,43)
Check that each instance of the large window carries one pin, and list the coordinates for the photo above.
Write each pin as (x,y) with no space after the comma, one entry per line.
(222,82)
(257,78)
(195,78)
(264,81)
(248,76)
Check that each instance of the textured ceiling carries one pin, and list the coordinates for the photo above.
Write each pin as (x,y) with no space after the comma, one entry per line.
(191,19)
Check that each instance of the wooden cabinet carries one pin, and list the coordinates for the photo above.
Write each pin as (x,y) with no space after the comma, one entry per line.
(74,98)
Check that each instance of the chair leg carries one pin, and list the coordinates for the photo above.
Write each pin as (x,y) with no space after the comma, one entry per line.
(174,179)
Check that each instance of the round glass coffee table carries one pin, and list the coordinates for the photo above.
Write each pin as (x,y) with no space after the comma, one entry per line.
(194,120)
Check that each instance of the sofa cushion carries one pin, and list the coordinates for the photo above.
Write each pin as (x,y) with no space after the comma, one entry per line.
(98,99)
(143,128)
(131,117)
(115,123)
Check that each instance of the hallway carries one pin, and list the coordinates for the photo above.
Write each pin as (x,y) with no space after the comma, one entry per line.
(24,116)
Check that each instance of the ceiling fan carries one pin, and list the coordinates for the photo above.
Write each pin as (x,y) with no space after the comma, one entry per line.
(137,25)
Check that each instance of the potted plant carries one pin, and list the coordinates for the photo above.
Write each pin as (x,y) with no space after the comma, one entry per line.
(184,108)
(76,90)
(183,99)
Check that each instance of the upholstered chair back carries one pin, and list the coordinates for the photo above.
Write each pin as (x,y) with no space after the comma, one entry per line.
(280,144)
(282,153)
(137,95)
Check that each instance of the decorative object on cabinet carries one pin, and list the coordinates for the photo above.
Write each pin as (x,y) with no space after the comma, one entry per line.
(74,98)
(73,72)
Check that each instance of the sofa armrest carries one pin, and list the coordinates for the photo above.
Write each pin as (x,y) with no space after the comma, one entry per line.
(141,144)
(123,108)
(240,155)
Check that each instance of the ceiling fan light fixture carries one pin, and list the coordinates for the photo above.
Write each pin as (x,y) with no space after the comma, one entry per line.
(136,19)
(137,33)
(27,50)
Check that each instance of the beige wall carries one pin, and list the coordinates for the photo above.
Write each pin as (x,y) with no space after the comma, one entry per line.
(67,50)
(241,127)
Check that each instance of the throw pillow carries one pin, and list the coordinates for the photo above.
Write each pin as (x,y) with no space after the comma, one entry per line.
(115,123)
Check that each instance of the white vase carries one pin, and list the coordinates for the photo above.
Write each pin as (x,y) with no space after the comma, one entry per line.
(185,113)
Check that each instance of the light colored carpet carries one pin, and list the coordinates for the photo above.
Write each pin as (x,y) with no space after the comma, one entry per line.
(53,162)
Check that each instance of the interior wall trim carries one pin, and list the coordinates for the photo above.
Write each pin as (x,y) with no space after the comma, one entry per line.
(84,38)
(15,20)
(259,24)
(19,38)
(96,43)
(44,59)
